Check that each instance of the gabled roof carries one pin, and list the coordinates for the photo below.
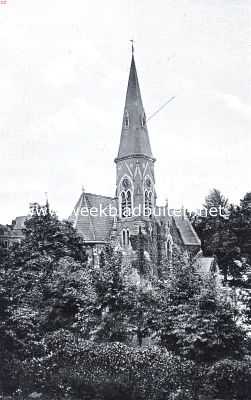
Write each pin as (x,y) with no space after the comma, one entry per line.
(207,267)
(19,222)
(186,231)
(15,231)
(134,138)
(17,227)
(93,228)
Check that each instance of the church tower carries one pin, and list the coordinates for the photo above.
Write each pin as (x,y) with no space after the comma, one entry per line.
(135,181)
(145,237)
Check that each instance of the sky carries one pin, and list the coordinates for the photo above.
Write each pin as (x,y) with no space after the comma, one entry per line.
(64,69)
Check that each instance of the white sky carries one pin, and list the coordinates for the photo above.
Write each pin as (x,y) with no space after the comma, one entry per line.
(64,68)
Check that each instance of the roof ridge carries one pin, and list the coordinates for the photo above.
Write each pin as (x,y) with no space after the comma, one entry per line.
(99,195)
(84,199)
(186,223)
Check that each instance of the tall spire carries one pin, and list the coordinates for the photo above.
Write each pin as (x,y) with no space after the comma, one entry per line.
(134,140)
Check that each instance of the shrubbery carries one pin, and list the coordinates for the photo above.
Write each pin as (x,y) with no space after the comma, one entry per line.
(68,331)
(229,379)
(105,371)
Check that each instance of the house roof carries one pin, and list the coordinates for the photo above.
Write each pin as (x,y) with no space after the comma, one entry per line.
(134,140)
(206,265)
(18,225)
(19,222)
(91,225)
(187,232)
(15,230)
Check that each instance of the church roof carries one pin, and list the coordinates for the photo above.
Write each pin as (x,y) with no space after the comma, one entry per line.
(134,140)
(186,231)
(93,228)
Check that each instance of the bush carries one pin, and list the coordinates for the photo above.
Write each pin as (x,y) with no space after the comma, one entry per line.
(121,372)
(230,379)
(86,370)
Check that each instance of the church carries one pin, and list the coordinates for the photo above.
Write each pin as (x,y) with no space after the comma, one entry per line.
(153,228)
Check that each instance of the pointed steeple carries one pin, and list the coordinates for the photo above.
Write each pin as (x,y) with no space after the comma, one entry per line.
(134,140)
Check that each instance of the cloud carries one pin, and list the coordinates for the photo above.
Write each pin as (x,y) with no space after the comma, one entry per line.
(234,103)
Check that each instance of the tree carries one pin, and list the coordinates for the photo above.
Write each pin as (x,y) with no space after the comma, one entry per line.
(214,230)
(228,236)
(142,314)
(215,199)
(114,300)
(195,322)
(46,235)
(46,287)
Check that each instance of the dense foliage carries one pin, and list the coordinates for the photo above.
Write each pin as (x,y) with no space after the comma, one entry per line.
(195,321)
(227,235)
(44,286)
(71,330)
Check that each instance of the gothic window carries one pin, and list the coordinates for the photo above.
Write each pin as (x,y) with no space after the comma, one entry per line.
(148,195)
(123,238)
(128,237)
(129,200)
(143,120)
(146,199)
(126,197)
(126,203)
(148,202)
(126,120)
(123,203)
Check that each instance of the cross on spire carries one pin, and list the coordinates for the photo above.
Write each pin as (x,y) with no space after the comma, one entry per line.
(132,41)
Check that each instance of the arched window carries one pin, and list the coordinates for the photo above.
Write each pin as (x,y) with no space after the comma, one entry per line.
(150,200)
(146,199)
(126,203)
(129,200)
(126,196)
(126,120)
(128,237)
(123,204)
(123,238)
(148,203)
(143,120)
